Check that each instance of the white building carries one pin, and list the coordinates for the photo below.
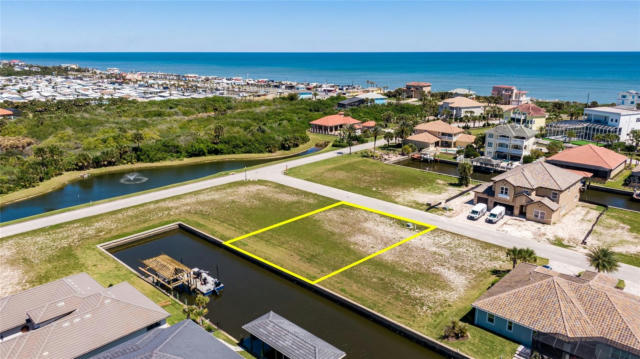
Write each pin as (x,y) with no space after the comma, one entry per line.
(509,142)
(629,98)
(459,106)
(622,119)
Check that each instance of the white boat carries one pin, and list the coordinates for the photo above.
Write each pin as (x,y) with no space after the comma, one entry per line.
(205,283)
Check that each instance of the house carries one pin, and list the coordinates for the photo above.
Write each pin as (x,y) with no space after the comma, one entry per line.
(562,316)
(509,95)
(417,89)
(272,336)
(447,135)
(183,340)
(4,113)
(629,98)
(73,317)
(422,140)
(528,115)
(459,107)
(601,162)
(619,120)
(373,98)
(463,92)
(332,124)
(351,102)
(538,191)
(509,142)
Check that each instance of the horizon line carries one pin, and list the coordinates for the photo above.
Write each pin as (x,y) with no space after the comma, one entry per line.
(317,52)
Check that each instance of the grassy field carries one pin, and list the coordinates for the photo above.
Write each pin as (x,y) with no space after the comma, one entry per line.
(618,181)
(423,283)
(620,230)
(403,185)
(68,177)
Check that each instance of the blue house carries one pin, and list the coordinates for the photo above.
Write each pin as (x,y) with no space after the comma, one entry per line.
(562,316)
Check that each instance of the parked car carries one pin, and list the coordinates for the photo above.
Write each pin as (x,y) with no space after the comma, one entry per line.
(477,211)
(496,214)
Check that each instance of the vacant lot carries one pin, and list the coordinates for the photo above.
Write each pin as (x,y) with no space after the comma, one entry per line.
(403,185)
(620,230)
(423,283)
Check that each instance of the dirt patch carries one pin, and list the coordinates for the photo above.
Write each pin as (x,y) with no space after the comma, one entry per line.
(424,196)
(616,235)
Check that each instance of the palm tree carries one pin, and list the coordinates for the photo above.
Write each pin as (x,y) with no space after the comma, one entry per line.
(190,311)
(375,132)
(350,132)
(603,259)
(598,138)
(571,134)
(404,129)
(388,136)
(512,254)
(521,254)
(137,137)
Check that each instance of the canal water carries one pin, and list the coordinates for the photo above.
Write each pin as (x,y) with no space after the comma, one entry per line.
(251,291)
(592,195)
(99,187)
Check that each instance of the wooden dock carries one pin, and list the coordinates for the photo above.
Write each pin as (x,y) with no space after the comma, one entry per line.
(166,271)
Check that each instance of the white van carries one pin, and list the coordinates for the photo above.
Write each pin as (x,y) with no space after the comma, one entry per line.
(477,211)
(496,214)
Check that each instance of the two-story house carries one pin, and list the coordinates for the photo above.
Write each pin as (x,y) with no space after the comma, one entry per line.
(417,89)
(509,95)
(509,142)
(441,134)
(538,191)
(618,120)
(629,98)
(528,115)
(460,106)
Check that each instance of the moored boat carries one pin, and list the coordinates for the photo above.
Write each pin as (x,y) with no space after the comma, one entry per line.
(205,283)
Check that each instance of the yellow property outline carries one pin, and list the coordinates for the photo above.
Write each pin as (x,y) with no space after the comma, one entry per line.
(228,243)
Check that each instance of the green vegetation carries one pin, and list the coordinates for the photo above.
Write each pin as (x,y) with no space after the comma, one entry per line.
(618,181)
(603,259)
(8,70)
(417,292)
(560,243)
(526,255)
(621,284)
(372,178)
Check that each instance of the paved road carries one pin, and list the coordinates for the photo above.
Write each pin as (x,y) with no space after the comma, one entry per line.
(275,173)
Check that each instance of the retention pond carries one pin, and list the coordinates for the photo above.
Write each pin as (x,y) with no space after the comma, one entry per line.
(251,290)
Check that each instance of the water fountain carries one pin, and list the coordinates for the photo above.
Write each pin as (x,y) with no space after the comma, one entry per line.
(133,178)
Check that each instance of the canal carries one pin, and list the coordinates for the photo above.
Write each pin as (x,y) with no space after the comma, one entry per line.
(592,195)
(99,187)
(251,291)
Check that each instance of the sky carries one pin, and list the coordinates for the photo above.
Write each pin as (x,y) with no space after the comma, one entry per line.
(317,26)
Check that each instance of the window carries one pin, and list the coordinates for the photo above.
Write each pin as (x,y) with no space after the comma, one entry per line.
(489,144)
(491,318)
(538,214)
(554,196)
(504,191)
(490,135)
(510,326)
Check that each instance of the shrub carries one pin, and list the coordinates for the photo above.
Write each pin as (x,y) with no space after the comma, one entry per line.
(456,331)
(620,284)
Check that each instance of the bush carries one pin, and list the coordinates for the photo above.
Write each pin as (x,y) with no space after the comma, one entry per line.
(621,284)
(456,331)
(209,327)
(407,149)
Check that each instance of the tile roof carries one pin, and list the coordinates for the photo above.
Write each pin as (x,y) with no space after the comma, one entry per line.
(183,340)
(531,110)
(418,84)
(369,124)
(465,138)
(512,130)
(461,101)
(539,174)
(107,314)
(423,137)
(335,120)
(550,302)
(590,155)
(4,112)
(289,339)
(438,126)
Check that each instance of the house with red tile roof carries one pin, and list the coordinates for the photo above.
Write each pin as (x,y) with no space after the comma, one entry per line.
(601,162)
(562,316)
(509,95)
(447,135)
(332,124)
(6,113)
(528,115)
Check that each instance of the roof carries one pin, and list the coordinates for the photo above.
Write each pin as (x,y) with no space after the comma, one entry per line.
(77,305)
(350,101)
(370,95)
(539,174)
(183,340)
(289,339)
(369,124)
(513,130)
(550,302)
(5,112)
(531,110)
(438,126)
(461,101)
(504,87)
(620,110)
(423,137)
(166,266)
(465,138)
(589,155)
(418,84)
(335,120)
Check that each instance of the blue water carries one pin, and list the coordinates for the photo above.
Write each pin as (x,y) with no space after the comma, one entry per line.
(546,75)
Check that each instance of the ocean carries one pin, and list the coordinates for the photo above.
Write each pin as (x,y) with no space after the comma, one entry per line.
(546,75)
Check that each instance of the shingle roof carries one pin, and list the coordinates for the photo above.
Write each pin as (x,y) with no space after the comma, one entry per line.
(183,340)
(335,120)
(438,126)
(423,137)
(97,316)
(289,339)
(590,155)
(572,307)
(539,174)
(461,101)
(512,130)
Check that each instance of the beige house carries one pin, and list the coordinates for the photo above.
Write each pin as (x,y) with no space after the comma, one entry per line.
(460,106)
(417,89)
(528,115)
(538,191)
(442,135)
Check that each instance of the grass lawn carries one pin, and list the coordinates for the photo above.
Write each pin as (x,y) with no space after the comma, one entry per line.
(403,185)
(618,181)
(479,130)
(423,283)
